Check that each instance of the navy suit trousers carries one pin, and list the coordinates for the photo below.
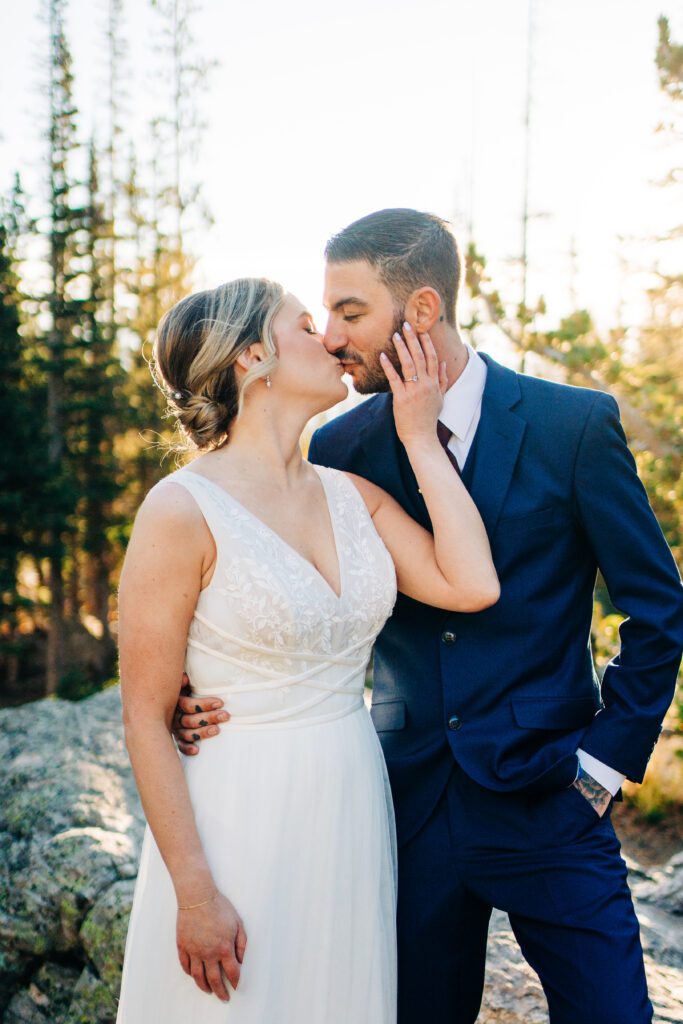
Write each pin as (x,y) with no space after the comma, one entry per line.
(555,867)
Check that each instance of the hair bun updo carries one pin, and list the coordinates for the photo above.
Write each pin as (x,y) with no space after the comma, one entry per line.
(204,420)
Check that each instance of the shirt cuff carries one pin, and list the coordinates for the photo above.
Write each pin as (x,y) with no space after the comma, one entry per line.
(608,778)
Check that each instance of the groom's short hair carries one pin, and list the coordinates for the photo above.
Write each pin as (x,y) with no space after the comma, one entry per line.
(408,249)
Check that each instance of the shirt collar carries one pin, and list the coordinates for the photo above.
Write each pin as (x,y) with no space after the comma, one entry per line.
(463,398)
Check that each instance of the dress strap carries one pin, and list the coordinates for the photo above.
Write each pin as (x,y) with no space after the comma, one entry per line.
(205,499)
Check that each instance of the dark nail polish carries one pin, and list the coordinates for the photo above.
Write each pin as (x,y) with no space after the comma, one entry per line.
(198,708)
(203,721)
(196,736)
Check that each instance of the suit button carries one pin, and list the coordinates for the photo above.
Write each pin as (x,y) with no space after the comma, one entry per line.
(454,723)
(448,637)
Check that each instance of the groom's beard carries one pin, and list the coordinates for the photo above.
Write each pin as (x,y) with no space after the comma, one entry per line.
(370,378)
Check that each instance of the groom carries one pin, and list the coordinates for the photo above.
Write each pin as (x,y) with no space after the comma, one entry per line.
(504,751)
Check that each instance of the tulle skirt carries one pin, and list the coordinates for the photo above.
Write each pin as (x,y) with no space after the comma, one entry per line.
(298,828)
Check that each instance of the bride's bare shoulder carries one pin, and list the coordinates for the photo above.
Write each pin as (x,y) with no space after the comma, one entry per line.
(169,493)
(168,513)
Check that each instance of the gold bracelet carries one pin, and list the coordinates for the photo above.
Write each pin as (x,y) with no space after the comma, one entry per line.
(192,906)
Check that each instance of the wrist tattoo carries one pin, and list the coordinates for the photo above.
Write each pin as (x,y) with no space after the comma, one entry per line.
(597,796)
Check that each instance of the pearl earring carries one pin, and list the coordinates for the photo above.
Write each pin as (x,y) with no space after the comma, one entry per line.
(269,382)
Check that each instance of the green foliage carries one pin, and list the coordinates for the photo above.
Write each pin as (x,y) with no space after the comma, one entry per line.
(82,413)
(77,683)
(15,401)
(669,61)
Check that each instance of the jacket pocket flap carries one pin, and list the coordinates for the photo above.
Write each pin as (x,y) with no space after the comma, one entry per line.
(529,520)
(388,714)
(553,712)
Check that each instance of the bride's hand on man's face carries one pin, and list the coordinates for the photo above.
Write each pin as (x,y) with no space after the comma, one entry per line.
(418,395)
(196,719)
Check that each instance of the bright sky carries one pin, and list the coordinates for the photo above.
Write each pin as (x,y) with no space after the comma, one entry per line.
(321,113)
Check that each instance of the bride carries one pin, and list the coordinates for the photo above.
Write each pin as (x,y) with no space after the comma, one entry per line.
(267,881)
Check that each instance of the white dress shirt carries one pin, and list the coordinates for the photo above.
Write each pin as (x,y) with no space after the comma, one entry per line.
(461,413)
(462,406)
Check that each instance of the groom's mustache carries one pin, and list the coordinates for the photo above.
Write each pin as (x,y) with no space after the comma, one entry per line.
(345,355)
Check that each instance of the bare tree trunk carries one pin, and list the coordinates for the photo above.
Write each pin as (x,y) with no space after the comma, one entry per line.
(55,640)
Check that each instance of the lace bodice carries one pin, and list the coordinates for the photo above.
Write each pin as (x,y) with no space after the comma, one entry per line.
(269,633)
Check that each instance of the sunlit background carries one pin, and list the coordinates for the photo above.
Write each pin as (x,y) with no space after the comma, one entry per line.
(317,113)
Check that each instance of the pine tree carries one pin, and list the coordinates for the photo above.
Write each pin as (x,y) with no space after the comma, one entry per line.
(153,283)
(164,207)
(21,427)
(110,182)
(63,311)
(99,416)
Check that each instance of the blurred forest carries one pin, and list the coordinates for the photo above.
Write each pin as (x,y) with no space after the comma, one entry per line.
(86,270)
(82,415)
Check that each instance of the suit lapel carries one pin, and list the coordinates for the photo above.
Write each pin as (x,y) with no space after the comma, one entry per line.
(388,463)
(499,439)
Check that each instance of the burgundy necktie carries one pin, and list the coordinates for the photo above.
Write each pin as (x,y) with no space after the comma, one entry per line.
(444,435)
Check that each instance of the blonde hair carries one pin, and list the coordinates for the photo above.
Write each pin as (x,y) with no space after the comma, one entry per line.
(197,345)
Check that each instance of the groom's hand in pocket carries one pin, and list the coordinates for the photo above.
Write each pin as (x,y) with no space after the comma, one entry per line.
(196,719)
(597,796)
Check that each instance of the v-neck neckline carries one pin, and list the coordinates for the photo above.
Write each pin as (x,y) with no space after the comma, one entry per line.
(252,515)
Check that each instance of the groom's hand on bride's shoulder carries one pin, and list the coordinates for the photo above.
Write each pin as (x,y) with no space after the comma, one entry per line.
(597,796)
(196,719)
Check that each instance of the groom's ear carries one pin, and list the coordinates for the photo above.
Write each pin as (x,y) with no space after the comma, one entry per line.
(423,309)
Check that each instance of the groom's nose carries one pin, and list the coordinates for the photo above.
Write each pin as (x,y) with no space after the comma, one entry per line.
(333,338)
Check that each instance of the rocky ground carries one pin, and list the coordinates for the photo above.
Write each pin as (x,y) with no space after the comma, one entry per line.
(70,833)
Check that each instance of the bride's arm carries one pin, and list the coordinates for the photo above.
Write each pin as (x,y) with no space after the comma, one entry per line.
(168,553)
(452,569)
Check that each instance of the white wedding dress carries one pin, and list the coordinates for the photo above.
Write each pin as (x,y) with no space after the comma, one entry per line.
(291,799)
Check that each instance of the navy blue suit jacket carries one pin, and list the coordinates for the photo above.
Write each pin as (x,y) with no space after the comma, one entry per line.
(556,486)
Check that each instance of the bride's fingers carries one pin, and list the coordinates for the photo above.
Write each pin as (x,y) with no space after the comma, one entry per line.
(415,349)
(184,958)
(214,977)
(197,972)
(404,357)
(431,358)
(230,965)
(397,385)
(443,378)
(240,943)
